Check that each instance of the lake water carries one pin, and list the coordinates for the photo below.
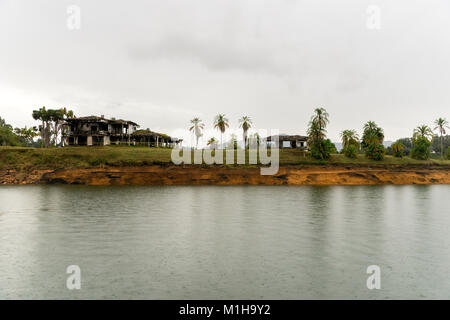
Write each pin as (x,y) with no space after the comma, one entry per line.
(234,242)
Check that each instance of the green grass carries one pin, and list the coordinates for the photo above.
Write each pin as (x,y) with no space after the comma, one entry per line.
(20,158)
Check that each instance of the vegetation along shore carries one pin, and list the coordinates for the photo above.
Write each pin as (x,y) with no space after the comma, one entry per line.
(99,151)
(120,165)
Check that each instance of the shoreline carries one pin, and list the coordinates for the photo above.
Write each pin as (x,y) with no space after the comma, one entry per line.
(223,175)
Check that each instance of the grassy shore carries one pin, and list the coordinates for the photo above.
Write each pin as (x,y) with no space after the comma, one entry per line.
(88,157)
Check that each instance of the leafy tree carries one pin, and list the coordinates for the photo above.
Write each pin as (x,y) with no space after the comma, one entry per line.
(351,151)
(7,135)
(57,118)
(61,124)
(197,127)
(43,115)
(331,147)
(441,125)
(221,123)
(52,124)
(397,149)
(245,123)
(421,149)
(440,143)
(448,153)
(26,135)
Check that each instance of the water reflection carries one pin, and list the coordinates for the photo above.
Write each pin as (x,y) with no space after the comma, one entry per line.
(224,242)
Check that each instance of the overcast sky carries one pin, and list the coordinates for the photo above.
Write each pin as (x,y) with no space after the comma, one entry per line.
(161,63)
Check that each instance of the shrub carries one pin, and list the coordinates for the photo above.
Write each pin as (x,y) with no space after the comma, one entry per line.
(97,162)
(330,146)
(397,149)
(320,150)
(421,149)
(351,151)
(448,153)
(375,151)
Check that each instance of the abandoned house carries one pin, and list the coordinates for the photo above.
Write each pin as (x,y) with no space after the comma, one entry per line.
(287,141)
(99,131)
(155,139)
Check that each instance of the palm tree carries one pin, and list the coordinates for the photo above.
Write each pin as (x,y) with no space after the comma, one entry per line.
(423,131)
(372,134)
(349,137)
(441,125)
(397,149)
(317,125)
(212,143)
(221,123)
(321,118)
(197,127)
(245,123)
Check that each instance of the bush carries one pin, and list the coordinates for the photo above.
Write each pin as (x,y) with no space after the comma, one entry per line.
(421,149)
(351,151)
(375,151)
(397,149)
(330,146)
(320,150)
(448,153)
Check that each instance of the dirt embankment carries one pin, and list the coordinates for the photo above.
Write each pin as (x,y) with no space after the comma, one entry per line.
(178,175)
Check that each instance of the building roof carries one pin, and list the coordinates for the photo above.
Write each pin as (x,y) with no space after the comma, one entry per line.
(101,119)
(87,119)
(285,137)
(149,133)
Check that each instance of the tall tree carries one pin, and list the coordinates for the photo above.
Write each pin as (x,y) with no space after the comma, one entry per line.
(57,117)
(44,116)
(441,125)
(69,114)
(245,123)
(372,134)
(221,123)
(321,118)
(197,127)
(320,147)
(7,135)
(372,141)
(52,124)
(422,131)
(349,137)
(26,135)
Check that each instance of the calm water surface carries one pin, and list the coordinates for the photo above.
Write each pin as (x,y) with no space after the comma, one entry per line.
(225,242)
